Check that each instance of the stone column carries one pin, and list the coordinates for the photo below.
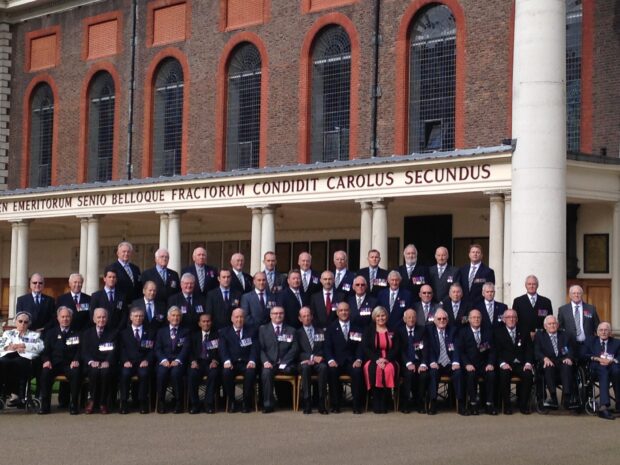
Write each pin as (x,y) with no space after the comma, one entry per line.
(268,231)
(496,242)
(539,160)
(13,268)
(163,230)
(380,229)
(21,270)
(91,279)
(615,269)
(366,232)
(507,249)
(174,240)
(83,266)
(257,220)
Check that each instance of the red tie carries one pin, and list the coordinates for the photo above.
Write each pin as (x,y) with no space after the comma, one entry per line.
(328,303)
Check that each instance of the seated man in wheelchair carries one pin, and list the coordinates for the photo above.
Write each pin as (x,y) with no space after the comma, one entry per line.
(556,358)
(603,351)
(19,347)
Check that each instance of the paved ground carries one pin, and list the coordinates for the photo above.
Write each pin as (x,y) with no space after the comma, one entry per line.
(293,438)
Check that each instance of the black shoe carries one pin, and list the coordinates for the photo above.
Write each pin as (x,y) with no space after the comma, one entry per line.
(73,409)
(246,410)
(144,410)
(405,410)
(432,409)
(508,411)
(123,410)
(178,409)
(473,409)
(524,411)
(194,410)
(323,411)
(44,411)
(232,408)
(490,410)
(606,415)
(551,403)
(357,411)
(307,410)
(335,409)
(462,410)
(268,410)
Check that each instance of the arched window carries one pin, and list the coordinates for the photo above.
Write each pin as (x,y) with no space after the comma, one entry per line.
(574,19)
(168,118)
(101,100)
(331,93)
(41,136)
(243,108)
(432,80)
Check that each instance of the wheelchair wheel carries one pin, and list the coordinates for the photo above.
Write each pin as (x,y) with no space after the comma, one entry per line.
(32,405)
(591,405)
(1,404)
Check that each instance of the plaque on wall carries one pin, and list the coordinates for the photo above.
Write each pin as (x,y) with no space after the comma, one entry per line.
(596,253)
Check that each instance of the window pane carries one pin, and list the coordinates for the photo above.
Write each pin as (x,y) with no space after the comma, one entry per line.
(331,90)
(41,136)
(101,127)
(243,124)
(168,119)
(432,80)
(574,17)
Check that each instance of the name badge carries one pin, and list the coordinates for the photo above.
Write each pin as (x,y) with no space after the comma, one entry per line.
(72,341)
(355,336)
(518,342)
(147,344)
(199,309)
(106,347)
(319,337)
(245,342)
(213,344)
(119,305)
(365,311)
(285,338)
(464,320)
(282,366)
(211,274)
(346,287)
(83,307)
(542,312)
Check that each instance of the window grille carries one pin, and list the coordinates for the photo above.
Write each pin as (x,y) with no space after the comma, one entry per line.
(574,16)
(41,136)
(101,127)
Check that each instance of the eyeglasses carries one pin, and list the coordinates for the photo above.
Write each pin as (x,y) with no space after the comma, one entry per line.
(441,319)
(360,284)
(23,321)
(37,282)
(425,293)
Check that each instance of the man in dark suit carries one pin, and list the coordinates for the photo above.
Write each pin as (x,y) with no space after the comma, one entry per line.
(395,299)
(344,354)
(531,307)
(258,302)
(292,299)
(343,278)
(413,275)
(275,281)
(129,282)
(324,302)
(112,299)
(444,360)
(240,281)
(61,356)
(278,350)
(172,348)
(414,364)
(38,305)
(99,351)
(222,300)
(304,261)
(239,353)
(204,362)
(603,351)
(361,303)
(425,308)
(478,361)
(554,353)
(376,277)
(457,307)
(515,357)
(166,280)
(154,310)
(442,275)
(311,340)
(191,303)
(474,275)
(578,319)
(492,310)
(137,355)
(206,276)
(77,301)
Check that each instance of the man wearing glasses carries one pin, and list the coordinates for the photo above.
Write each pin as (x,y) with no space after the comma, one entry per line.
(396,300)
(361,303)
(37,304)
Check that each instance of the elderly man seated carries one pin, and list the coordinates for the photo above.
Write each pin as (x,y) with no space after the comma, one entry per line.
(603,351)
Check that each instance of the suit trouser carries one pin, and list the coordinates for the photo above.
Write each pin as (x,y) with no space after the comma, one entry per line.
(320,369)
(267,375)
(335,388)
(455,377)
(415,385)
(524,387)
(249,379)
(144,378)
(471,383)
(99,381)
(194,379)
(47,380)
(562,372)
(605,375)
(15,371)
(170,375)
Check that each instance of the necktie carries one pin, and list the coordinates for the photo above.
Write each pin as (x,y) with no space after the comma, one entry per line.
(426,311)
(149,311)
(328,303)
(277,330)
(410,346)
(163,274)
(136,334)
(373,276)
(345,330)
(533,300)
(338,278)
(472,273)
(440,270)
(64,332)
(578,323)
(604,346)
(189,300)
(261,297)
(111,296)
(477,337)
(554,343)
(298,297)
(444,360)
(392,299)
(226,296)
(239,334)
(76,300)
(305,281)
(201,278)
(455,308)
(270,279)
(38,299)
(241,279)
(128,271)
(409,271)
(205,338)
(310,333)
(490,311)
(173,337)
(513,336)
(359,301)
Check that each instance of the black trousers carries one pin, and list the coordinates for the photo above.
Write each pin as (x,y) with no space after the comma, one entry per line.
(47,380)
(99,384)
(471,384)
(15,371)
(414,387)
(144,375)
(267,375)
(306,371)
(559,373)
(524,388)
(249,380)
(335,387)
(195,375)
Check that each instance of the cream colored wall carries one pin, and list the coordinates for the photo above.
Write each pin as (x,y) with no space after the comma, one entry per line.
(593,219)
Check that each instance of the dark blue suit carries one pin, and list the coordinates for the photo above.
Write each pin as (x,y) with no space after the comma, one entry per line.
(478,355)
(403,301)
(413,283)
(117,308)
(380,283)
(346,283)
(361,315)
(498,313)
(204,352)
(81,317)
(131,289)
(484,274)
(220,310)
(211,281)
(287,300)
(257,313)
(168,349)
(414,352)
(136,352)
(42,315)
(164,289)
(452,350)
(605,374)
(239,352)
(321,316)
(190,311)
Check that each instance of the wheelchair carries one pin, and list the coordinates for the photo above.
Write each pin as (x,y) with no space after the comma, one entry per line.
(539,394)
(25,400)
(590,389)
